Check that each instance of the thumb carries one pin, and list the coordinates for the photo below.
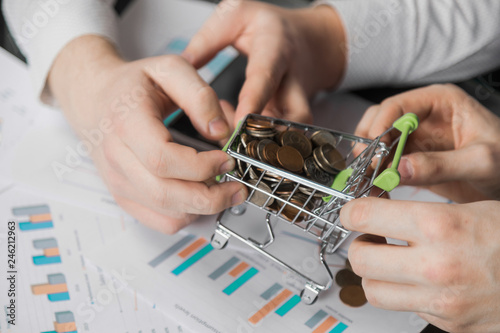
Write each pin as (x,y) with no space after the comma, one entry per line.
(219,31)
(431,168)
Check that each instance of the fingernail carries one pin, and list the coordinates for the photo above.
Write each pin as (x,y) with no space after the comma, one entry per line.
(218,127)
(227,166)
(238,198)
(405,169)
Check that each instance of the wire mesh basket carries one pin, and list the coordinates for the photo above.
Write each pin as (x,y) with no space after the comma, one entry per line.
(306,190)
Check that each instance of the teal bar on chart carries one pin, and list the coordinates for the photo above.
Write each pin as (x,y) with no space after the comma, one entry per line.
(25,226)
(339,328)
(43,260)
(240,281)
(290,304)
(58,297)
(193,259)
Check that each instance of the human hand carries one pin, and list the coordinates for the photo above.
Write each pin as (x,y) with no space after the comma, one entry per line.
(292,54)
(161,183)
(456,150)
(449,274)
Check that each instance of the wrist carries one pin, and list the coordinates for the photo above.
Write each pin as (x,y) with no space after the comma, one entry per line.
(327,37)
(80,67)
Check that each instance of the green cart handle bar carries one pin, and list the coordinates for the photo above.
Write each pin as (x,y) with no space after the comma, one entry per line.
(226,147)
(390,178)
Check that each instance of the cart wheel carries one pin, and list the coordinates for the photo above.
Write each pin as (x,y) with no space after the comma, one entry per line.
(219,239)
(309,295)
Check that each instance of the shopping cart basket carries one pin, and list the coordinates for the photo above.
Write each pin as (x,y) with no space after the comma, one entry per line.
(295,198)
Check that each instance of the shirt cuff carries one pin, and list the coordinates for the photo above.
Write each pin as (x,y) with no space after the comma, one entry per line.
(50,29)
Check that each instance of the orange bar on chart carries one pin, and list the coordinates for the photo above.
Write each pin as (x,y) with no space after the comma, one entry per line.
(44,289)
(64,327)
(40,218)
(326,325)
(238,269)
(191,248)
(51,252)
(273,304)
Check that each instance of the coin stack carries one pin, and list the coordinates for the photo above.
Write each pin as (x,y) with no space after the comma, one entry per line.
(311,154)
(351,292)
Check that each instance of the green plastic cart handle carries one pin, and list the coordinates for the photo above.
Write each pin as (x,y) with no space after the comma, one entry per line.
(226,147)
(390,178)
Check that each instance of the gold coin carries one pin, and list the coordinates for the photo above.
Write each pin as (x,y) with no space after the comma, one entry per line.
(353,296)
(334,158)
(259,123)
(258,198)
(270,153)
(252,149)
(298,141)
(290,159)
(322,137)
(321,162)
(289,212)
(245,139)
(346,277)
(260,148)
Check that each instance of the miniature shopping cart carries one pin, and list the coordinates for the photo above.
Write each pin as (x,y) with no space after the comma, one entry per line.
(318,216)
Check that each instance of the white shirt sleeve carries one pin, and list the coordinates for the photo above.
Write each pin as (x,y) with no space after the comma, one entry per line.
(407,42)
(42,29)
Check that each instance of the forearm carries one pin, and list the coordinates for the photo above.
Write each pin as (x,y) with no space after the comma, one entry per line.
(407,42)
(43,28)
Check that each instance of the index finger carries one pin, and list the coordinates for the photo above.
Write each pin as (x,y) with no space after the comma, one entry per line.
(388,218)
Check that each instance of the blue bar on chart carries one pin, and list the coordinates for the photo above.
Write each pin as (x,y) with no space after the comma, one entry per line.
(43,260)
(171,250)
(193,259)
(290,304)
(341,327)
(224,268)
(271,291)
(240,281)
(26,226)
(316,318)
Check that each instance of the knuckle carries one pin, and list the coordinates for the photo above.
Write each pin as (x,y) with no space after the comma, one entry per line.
(370,294)
(205,95)
(443,271)
(440,225)
(172,61)
(160,197)
(110,155)
(489,158)
(357,259)
(359,213)
(157,162)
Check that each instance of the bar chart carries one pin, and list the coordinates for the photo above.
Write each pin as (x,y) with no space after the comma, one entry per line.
(35,217)
(234,273)
(56,288)
(64,323)
(50,252)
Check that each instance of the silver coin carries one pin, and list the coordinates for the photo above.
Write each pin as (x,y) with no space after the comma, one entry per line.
(258,198)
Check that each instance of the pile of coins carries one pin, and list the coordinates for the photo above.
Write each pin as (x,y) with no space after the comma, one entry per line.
(314,157)
(351,292)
